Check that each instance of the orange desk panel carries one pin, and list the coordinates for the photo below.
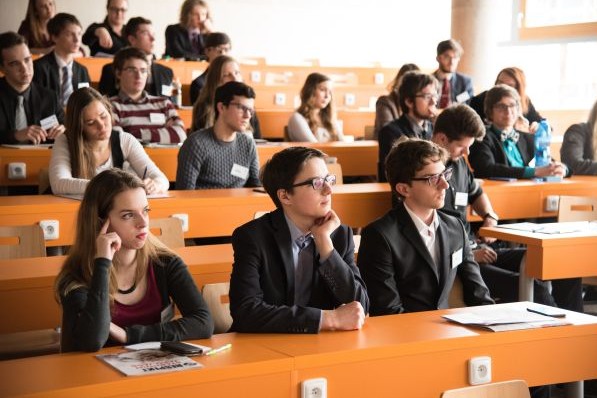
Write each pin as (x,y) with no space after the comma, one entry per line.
(27,285)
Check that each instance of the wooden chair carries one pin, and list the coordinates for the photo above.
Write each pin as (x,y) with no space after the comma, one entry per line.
(29,344)
(22,241)
(168,231)
(216,297)
(504,389)
(44,181)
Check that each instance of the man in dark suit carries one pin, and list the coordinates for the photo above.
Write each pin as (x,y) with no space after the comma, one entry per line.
(456,88)
(29,113)
(216,44)
(294,268)
(418,100)
(410,257)
(57,70)
(139,34)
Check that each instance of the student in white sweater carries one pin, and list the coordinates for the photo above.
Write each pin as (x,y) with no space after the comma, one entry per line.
(315,119)
(90,146)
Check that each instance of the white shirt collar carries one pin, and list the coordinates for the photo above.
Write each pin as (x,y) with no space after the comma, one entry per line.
(421,226)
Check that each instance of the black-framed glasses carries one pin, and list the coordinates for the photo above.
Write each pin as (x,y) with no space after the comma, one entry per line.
(317,182)
(244,109)
(434,180)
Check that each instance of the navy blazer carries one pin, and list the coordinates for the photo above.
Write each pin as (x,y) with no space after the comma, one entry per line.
(400,274)
(161,76)
(46,74)
(42,104)
(178,44)
(262,280)
(459,84)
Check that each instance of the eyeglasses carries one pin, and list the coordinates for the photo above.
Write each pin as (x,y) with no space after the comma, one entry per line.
(317,182)
(133,70)
(434,180)
(117,10)
(505,107)
(428,97)
(244,109)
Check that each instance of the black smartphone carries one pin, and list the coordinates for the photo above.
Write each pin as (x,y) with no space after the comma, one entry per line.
(178,347)
(547,311)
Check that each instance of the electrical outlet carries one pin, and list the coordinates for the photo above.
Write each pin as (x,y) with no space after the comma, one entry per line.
(280,99)
(552,203)
(17,171)
(349,99)
(315,388)
(185,220)
(255,76)
(479,370)
(51,229)
(379,78)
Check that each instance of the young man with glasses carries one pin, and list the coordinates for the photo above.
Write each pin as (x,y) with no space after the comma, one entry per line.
(222,156)
(294,269)
(418,100)
(106,38)
(149,118)
(410,257)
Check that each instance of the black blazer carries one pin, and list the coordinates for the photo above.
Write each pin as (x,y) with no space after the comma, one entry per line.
(178,44)
(488,158)
(42,104)
(400,274)
(390,133)
(91,40)
(46,73)
(160,74)
(262,280)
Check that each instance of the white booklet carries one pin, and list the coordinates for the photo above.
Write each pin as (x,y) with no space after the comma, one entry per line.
(552,228)
(145,362)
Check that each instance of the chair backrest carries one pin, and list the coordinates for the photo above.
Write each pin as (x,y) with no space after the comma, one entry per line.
(456,298)
(43,177)
(168,231)
(577,208)
(22,241)
(509,389)
(216,297)
(369,132)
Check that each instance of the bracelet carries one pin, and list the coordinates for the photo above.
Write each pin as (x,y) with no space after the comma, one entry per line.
(491,215)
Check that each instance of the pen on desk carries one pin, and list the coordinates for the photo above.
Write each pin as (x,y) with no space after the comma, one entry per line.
(219,349)
(144,174)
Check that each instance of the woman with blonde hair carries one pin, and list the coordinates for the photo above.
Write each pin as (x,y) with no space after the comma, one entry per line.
(315,119)
(34,26)
(119,283)
(387,107)
(186,38)
(223,69)
(90,145)
(579,149)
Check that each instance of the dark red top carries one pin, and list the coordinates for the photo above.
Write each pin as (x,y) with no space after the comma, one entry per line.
(146,312)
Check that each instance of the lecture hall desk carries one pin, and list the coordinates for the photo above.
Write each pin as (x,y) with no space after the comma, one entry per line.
(27,284)
(409,355)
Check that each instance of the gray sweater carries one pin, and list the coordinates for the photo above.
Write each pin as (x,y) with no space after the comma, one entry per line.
(204,162)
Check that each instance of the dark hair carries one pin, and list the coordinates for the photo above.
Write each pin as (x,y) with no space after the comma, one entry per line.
(60,21)
(226,93)
(409,156)
(395,83)
(215,39)
(450,44)
(495,94)
(459,121)
(280,171)
(327,115)
(132,26)
(412,83)
(8,40)
(125,54)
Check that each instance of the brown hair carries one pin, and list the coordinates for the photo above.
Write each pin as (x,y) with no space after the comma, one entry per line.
(36,27)
(187,7)
(327,114)
(495,94)
(459,121)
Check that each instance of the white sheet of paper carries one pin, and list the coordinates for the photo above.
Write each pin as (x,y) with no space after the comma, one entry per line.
(49,122)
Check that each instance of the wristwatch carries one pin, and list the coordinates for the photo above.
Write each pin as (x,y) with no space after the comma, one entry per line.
(491,215)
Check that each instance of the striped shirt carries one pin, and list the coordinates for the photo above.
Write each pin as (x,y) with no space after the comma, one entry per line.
(150,119)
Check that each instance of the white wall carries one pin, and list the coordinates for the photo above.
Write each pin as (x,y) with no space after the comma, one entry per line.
(338,32)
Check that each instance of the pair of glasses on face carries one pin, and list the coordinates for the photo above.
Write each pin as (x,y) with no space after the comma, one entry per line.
(244,109)
(133,71)
(505,107)
(433,180)
(428,97)
(317,182)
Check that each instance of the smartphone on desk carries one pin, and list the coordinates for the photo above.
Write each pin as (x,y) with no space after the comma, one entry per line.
(178,347)
(547,311)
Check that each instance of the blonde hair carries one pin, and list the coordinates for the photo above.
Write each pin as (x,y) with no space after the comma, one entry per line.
(327,115)
(186,9)
(97,203)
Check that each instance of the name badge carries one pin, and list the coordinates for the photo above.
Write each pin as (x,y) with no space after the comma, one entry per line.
(240,171)
(49,122)
(456,258)
(167,90)
(83,85)
(167,313)
(157,118)
(461,199)
(463,97)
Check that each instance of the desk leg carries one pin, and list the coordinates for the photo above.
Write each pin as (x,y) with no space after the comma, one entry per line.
(525,283)
(574,389)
